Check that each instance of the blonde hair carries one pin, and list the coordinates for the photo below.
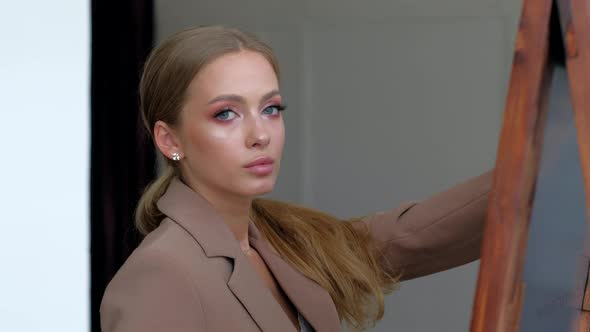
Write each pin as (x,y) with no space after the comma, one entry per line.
(336,254)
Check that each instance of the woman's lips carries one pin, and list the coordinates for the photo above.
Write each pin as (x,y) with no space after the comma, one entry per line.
(260,160)
(262,165)
(261,169)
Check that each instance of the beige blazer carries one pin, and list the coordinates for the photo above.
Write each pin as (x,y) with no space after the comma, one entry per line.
(190,274)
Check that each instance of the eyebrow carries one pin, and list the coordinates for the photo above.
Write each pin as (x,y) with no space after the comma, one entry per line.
(240,99)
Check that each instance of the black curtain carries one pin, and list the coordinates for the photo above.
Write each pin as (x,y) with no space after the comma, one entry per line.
(122,155)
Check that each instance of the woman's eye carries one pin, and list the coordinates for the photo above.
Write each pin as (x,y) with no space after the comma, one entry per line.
(274,109)
(225,115)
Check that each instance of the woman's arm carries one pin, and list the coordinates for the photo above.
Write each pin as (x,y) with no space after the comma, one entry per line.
(439,233)
(150,293)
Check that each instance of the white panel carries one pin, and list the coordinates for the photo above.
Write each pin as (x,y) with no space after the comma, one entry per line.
(44,102)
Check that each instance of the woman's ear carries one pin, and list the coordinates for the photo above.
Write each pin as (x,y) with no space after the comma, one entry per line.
(166,140)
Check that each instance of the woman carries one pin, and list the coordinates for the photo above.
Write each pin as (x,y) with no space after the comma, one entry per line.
(215,257)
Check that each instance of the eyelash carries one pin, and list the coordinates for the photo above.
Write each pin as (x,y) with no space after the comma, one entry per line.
(279,107)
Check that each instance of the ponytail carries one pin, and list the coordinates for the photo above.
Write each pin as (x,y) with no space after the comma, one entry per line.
(337,254)
(147,215)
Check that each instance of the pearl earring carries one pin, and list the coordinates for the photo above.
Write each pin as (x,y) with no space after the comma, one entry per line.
(176,156)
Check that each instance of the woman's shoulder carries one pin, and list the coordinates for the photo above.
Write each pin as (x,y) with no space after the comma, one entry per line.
(168,248)
(168,238)
(154,278)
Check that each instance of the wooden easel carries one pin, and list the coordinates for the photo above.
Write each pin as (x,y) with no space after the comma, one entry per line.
(535,263)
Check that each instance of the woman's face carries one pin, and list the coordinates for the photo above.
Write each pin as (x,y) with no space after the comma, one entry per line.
(232,117)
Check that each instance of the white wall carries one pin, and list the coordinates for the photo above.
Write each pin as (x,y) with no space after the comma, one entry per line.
(44,139)
(388,101)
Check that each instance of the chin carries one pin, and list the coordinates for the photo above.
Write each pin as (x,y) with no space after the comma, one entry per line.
(264,191)
(261,189)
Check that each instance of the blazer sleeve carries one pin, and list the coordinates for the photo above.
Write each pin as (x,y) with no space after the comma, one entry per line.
(150,293)
(439,233)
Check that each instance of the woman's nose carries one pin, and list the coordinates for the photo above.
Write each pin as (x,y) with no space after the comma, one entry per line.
(258,133)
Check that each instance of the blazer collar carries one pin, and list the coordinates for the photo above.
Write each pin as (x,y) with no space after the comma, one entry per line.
(197,216)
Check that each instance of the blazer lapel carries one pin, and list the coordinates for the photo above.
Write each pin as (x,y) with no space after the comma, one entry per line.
(310,299)
(257,298)
(197,216)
